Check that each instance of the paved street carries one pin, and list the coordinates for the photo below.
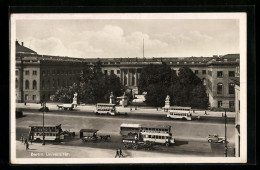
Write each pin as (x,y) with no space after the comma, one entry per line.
(190,135)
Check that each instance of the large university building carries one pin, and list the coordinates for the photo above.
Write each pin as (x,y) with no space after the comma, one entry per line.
(39,76)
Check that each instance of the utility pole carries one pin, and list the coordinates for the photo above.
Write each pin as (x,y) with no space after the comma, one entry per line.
(143,47)
(225,152)
(21,79)
(43,134)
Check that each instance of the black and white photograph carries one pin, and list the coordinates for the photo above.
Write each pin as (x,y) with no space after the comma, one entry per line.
(95,88)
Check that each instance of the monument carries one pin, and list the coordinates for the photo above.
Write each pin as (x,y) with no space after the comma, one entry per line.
(112,98)
(75,100)
(167,103)
(123,100)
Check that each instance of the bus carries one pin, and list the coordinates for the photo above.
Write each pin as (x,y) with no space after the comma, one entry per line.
(130,129)
(180,113)
(105,108)
(162,138)
(157,129)
(51,132)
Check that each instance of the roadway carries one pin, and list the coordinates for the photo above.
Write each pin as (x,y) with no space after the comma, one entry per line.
(190,135)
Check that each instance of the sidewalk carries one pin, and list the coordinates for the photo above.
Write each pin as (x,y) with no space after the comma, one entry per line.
(140,109)
(37,150)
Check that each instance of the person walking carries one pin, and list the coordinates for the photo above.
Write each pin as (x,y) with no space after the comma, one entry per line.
(117,153)
(27,145)
(25,141)
(205,112)
(120,153)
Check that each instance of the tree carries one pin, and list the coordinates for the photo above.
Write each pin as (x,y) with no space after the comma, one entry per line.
(156,80)
(93,86)
(186,89)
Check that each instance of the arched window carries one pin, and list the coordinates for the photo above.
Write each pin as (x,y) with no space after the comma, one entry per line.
(16,83)
(53,83)
(231,88)
(43,84)
(34,84)
(219,88)
(58,83)
(27,84)
(48,84)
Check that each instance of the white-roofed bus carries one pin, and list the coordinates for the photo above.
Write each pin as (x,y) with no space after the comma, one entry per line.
(105,108)
(130,129)
(183,113)
(51,132)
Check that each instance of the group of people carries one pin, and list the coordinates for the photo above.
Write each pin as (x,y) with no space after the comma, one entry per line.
(26,142)
(119,153)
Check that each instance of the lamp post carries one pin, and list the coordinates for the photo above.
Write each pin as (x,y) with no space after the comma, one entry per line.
(225,151)
(43,134)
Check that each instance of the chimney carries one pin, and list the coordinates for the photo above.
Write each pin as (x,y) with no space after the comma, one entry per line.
(22,43)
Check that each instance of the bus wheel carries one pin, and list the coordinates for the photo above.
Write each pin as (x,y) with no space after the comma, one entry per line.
(167,144)
(135,147)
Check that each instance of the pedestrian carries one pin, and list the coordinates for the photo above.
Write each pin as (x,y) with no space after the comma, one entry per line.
(135,107)
(25,141)
(27,145)
(205,112)
(120,153)
(22,138)
(157,108)
(193,111)
(130,108)
(222,114)
(117,153)
(24,103)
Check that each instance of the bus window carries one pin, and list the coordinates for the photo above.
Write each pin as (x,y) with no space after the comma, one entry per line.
(160,137)
(156,137)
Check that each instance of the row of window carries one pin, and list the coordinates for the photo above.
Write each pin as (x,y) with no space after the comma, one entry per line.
(231,104)
(26,96)
(197,71)
(27,84)
(60,72)
(156,137)
(112,72)
(57,83)
(231,88)
(27,72)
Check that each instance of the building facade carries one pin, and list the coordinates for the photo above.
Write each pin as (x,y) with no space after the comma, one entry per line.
(42,75)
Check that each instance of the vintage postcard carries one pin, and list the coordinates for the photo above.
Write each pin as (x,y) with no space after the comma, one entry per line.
(110,88)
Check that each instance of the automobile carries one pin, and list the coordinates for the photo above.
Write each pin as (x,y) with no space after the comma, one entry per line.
(19,113)
(216,139)
(46,109)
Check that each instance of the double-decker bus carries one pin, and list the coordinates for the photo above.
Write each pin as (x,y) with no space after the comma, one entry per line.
(180,113)
(130,129)
(162,138)
(157,129)
(51,132)
(105,108)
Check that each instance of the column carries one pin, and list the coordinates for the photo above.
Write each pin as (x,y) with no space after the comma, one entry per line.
(136,75)
(121,77)
(128,78)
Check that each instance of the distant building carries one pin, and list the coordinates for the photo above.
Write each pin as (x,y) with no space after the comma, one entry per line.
(43,75)
(236,80)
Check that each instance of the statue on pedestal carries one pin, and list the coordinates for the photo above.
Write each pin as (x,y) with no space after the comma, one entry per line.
(75,100)
(112,98)
(167,102)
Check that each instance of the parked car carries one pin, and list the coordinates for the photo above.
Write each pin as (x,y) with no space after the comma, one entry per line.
(216,139)
(46,109)
(19,113)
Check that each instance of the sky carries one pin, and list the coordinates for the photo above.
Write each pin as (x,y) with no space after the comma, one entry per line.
(113,38)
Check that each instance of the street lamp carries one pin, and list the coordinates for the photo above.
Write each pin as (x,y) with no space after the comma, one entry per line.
(226,148)
(43,134)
